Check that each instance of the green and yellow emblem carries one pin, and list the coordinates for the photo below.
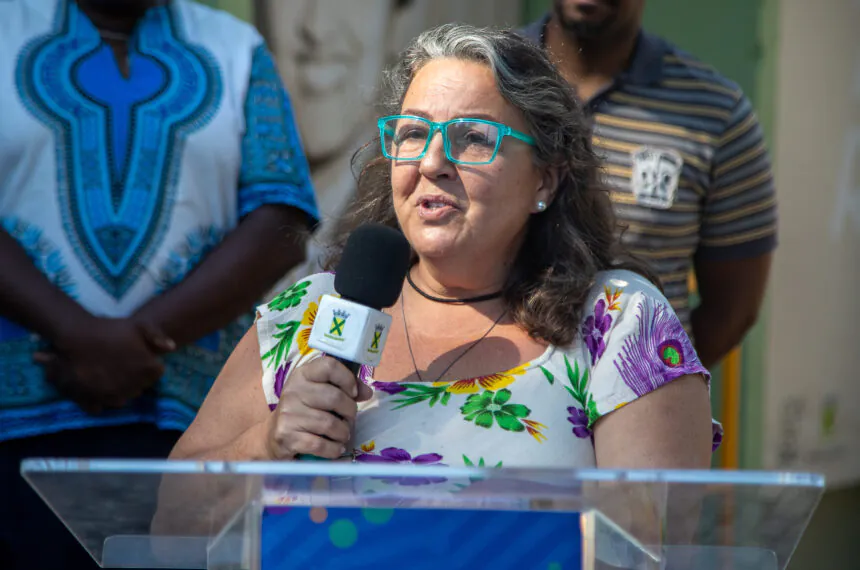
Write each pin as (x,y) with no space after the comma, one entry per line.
(338,322)
(337,326)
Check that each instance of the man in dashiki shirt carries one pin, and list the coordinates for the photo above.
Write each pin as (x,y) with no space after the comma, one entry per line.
(153,187)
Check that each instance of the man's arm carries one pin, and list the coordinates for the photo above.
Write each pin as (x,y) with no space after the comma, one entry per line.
(231,279)
(738,236)
(30,299)
(105,362)
(731,294)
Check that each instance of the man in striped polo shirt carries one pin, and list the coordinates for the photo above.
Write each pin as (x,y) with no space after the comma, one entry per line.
(684,160)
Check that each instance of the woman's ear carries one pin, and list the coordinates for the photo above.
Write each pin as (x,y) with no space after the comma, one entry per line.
(546,189)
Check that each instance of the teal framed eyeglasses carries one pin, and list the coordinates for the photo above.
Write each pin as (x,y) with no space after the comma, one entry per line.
(466,141)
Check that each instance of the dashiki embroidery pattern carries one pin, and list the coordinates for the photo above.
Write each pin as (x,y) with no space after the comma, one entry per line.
(538,414)
(118,187)
(115,205)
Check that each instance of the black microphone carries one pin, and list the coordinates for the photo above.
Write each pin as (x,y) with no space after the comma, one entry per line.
(368,278)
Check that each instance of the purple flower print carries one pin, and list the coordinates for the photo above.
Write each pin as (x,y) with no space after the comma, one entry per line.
(278,388)
(579,419)
(365,373)
(595,328)
(716,435)
(396,455)
(658,352)
(391,388)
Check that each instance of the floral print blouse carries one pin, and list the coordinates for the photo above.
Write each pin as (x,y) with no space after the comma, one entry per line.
(539,414)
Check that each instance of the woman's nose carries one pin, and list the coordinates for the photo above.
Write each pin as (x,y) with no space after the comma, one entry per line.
(435,163)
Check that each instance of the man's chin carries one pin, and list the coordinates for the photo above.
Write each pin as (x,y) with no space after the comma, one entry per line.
(586,29)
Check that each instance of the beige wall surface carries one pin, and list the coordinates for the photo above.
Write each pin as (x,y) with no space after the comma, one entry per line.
(813,394)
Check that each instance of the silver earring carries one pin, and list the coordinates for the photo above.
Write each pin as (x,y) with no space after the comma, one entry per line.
(541,206)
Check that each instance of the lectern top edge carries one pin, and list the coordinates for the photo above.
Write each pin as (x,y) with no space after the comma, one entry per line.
(340,469)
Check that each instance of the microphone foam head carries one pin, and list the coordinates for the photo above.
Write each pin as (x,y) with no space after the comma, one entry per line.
(373,266)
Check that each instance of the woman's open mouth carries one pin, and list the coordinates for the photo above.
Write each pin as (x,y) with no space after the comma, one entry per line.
(436,208)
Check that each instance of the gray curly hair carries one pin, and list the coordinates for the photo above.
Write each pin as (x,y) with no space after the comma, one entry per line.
(566,245)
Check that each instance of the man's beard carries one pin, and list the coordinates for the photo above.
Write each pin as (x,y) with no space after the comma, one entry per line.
(582,30)
(586,30)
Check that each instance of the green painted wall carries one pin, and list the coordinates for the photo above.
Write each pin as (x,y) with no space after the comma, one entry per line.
(701,28)
(242,8)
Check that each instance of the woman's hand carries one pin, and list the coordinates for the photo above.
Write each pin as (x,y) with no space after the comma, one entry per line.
(316,412)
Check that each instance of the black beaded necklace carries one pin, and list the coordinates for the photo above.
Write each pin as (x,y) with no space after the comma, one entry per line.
(466,301)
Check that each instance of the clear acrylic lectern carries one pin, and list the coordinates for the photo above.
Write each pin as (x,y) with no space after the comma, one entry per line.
(273,516)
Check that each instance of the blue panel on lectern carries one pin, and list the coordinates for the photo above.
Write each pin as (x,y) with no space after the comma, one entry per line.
(419,539)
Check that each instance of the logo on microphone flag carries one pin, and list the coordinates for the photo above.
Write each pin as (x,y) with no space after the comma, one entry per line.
(338,321)
(337,326)
(377,338)
(347,330)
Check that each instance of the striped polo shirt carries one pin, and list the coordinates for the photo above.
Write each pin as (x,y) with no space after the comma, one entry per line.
(685,161)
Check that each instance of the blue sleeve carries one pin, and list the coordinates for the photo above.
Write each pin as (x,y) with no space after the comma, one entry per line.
(274,168)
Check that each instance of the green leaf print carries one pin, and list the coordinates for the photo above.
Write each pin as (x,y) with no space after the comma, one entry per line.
(418,393)
(487,407)
(509,423)
(483,419)
(549,377)
(475,404)
(578,382)
(282,346)
(290,298)
(469,463)
(474,478)
(591,412)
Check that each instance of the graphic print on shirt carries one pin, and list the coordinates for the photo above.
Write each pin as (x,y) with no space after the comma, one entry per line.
(118,139)
(655,176)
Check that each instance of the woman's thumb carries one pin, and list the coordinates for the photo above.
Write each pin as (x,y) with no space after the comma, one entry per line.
(364,392)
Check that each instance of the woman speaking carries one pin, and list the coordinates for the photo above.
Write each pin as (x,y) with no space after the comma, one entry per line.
(521,337)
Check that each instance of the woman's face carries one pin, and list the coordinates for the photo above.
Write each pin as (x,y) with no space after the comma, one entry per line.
(477,212)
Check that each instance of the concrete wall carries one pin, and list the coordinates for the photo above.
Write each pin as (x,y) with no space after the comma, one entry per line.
(813,397)
(812,403)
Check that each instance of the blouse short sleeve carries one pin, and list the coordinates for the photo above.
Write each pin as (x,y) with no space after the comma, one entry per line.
(284,328)
(636,344)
